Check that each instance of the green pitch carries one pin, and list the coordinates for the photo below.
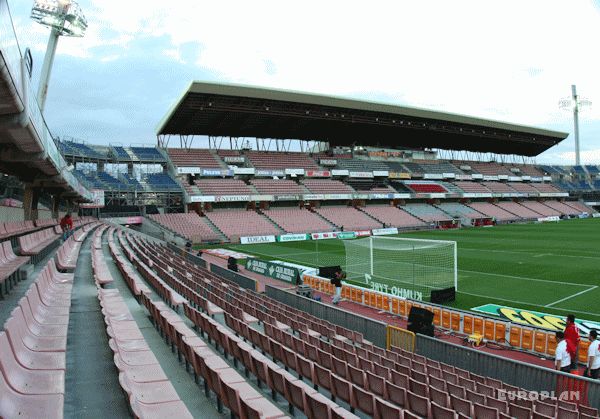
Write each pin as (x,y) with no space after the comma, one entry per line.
(551,267)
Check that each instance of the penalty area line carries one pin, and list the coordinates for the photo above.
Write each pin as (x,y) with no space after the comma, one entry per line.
(571,296)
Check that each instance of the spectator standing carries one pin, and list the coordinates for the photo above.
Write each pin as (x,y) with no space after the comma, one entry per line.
(337,282)
(66,225)
(572,338)
(562,359)
(593,366)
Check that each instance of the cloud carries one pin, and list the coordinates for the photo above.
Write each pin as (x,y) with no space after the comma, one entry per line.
(509,60)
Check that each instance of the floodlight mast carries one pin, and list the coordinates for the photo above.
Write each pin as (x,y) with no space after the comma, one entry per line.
(64,18)
(576,124)
(575,103)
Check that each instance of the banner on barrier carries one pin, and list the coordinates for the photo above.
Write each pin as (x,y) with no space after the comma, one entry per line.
(549,219)
(345,235)
(385,231)
(257,239)
(324,236)
(190,170)
(273,270)
(293,237)
(535,318)
(363,233)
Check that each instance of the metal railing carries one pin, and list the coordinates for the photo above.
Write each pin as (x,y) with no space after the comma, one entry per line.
(516,373)
(373,330)
(241,280)
(400,338)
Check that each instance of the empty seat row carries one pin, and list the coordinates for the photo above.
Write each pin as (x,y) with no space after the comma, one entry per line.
(142,379)
(33,345)
(34,243)
(10,265)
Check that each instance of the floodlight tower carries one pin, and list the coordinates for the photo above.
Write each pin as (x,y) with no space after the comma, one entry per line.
(575,103)
(64,18)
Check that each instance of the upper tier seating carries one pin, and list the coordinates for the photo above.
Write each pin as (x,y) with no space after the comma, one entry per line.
(494,211)
(392,216)
(498,187)
(298,220)
(190,225)
(223,187)
(426,212)
(276,160)
(131,181)
(518,209)
(592,170)
(458,210)
(540,208)
(121,153)
(527,170)
(488,169)
(277,187)
(370,186)
(472,187)
(561,207)
(78,149)
(111,182)
(546,187)
(437,167)
(236,223)
(194,157)
(358,165)
(147,153)
(348,217)
(326,186)
(161,181)
(428,187)
(523,187)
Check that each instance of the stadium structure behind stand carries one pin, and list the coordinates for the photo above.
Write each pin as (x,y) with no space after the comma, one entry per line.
(349,188)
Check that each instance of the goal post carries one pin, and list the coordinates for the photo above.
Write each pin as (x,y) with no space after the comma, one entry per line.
(402,266)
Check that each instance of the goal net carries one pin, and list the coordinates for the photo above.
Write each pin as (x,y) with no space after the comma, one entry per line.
(411,268)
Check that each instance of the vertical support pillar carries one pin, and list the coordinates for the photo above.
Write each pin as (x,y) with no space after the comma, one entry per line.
(31,197)
(55,205)
(130,169)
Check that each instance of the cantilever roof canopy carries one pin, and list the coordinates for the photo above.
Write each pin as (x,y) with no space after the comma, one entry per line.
(242,111)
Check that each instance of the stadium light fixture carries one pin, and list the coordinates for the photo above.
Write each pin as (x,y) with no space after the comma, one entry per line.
(575,104)
(64,18)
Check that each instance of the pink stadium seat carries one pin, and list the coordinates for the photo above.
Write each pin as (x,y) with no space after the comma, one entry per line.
(296,220)
(237,223)
(385,410)
(349,218)
(14,404)
(484,412)
(441,412)
(191,226)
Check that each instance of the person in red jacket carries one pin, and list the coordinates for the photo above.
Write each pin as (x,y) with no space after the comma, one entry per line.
(572,338)
(66,224)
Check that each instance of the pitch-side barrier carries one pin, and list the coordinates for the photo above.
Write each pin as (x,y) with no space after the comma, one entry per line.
(530,339)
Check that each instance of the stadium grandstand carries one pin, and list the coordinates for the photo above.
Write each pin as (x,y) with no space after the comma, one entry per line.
(123,318)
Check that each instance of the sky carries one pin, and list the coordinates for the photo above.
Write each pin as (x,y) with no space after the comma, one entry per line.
(509,60)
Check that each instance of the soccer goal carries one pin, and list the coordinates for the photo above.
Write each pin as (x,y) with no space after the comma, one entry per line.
(407,267)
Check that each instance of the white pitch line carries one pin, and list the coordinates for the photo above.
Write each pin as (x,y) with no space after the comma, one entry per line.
(523,277)
(571,296)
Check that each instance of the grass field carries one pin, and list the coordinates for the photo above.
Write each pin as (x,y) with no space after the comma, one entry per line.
(551,267)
